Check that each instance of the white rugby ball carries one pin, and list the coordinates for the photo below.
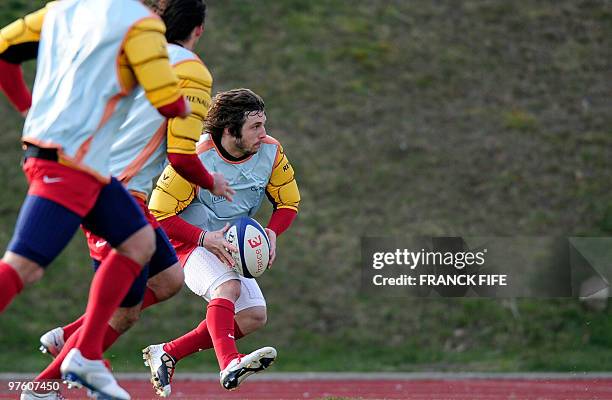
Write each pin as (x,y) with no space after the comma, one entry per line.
(253,247)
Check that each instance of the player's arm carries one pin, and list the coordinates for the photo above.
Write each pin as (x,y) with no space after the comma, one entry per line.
(19,43)
(283,193)
(172,194)
(147,56)
(183,133)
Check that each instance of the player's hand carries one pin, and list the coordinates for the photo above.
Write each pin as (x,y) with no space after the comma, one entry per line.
(272,236)
(214,241)
(221,187)
(24,113)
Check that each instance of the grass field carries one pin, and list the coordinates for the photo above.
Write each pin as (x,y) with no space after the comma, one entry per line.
(400,118)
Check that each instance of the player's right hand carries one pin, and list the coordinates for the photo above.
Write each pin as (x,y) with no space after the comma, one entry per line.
(221,187)
(214,241)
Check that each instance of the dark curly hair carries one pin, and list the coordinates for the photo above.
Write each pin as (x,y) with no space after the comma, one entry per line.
(180,16)
(230,110)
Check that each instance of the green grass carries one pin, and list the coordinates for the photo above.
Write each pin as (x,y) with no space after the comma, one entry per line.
(400,118)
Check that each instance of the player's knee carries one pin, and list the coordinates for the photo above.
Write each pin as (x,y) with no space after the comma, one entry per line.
(258,318)
(167,283)
(28,270)
(251,319)
(140,246)
(124,318)
(228,290)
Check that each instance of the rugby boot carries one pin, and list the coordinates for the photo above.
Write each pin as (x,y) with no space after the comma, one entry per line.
(244,366)
(162,367)
(52,342)
(92,374)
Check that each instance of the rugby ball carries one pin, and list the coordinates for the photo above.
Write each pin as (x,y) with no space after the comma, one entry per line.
(253,247)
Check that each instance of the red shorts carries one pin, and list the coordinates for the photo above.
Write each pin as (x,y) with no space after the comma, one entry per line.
(99,249)
(71,188)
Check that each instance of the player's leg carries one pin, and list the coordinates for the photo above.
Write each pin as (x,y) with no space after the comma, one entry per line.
(202,271)
(162,358)
(246,321)
(164,285)
(166,276)
(120,322)
(161,279)
(119,220)
(57,200)
(53,341)
(208,277)
(250,316)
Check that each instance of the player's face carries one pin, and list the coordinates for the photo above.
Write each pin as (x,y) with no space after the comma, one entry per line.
(253,132)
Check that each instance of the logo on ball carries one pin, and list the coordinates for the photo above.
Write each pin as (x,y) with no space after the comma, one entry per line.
(253,246)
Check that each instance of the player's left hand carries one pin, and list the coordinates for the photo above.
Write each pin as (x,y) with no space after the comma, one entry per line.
(272,236)
(216,243)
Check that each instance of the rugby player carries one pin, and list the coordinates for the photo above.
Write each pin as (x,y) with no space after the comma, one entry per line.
(86,75)
(255,164)
(142,142)
(136,158)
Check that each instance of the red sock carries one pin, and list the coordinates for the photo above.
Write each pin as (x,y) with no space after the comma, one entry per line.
(220,322)
(197,340)
(191,342)
(72,327)
(110,337)
(110,284)
(11,284)
(149,299)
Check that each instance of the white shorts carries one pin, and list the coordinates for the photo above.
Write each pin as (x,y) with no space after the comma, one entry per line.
(204,272)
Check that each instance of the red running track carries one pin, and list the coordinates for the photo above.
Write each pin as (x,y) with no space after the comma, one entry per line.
(413,389)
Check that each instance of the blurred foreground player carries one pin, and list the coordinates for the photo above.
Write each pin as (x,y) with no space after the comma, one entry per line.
(138,157)
(255,164)
(91,55)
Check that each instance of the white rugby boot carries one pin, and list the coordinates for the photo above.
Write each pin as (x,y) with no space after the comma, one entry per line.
(244,366)
(78,371)
(32,395)
(52,342)
(162,367)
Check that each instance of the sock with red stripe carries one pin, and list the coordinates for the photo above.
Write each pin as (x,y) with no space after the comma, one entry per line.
(109,286)
(197,340)
(11,284)
(220,323)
